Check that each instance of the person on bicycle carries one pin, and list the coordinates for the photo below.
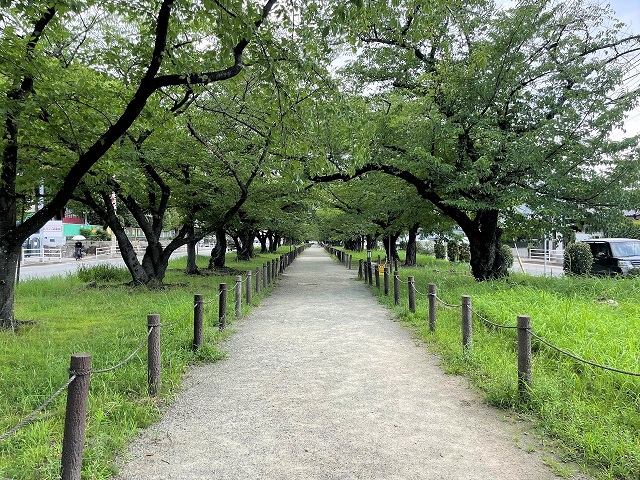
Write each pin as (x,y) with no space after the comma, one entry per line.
(78,251)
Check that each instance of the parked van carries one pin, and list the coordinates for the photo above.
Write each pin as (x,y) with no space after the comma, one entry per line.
(614,256)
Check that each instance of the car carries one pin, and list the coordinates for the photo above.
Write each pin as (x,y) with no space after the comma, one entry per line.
(614,256)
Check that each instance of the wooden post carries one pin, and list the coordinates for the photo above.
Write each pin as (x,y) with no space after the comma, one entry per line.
(412,295)
(222,307)
(377,275)
(386,281)
(198,310)
(370,268)
(467,324)
(360,262)
(75,416)
(432,307)
(524,357)
(264,275)
(396,288)
(238,296)
(248,287)
(153,354)
(274,268)
(350,260)
(268,272)
(258,280)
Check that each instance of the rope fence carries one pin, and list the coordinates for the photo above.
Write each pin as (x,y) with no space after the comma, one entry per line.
(523,327)
(77,385)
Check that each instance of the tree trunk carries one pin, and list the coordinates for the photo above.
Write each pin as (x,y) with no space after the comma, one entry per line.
(192,268)
(155,262)
(487,262)
(393,254)
(276,243)
(218,252)
(138,274)
(244,243)
(9,257)
(262,237)
(412,249)
(371,242)
(271,240)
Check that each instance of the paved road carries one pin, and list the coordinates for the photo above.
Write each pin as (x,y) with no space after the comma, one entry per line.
(61,269)
(322,383)
(69,266)
(538,268)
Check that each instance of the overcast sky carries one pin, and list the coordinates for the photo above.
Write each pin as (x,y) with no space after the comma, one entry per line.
(629,12)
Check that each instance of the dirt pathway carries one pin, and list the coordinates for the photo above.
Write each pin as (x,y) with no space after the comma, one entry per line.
(321,383)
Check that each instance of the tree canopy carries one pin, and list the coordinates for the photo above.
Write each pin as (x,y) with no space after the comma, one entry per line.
(227,113)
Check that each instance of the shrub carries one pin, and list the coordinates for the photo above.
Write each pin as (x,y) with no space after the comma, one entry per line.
(439,250)
(452,250)
(507,260)
(507,254)
(98,234)
(103,272)
(577,259)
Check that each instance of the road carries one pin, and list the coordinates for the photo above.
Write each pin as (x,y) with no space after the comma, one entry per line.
(69,266)
(62,269)
(538,268)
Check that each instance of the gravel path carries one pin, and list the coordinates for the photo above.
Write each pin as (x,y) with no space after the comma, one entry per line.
(321,383)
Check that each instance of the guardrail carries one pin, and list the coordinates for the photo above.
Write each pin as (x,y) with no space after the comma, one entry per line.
(38,255)
(106,251)
(553,256)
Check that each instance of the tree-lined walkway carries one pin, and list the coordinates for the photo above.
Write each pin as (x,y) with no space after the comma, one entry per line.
(321,383)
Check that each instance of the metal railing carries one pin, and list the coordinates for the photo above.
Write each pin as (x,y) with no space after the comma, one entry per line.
(41,255)
(553,256)
(110,251)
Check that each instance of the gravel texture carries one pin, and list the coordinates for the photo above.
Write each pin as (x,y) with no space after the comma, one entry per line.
(321,383)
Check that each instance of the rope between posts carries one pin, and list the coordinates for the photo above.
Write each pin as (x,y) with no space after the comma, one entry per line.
(215,299)
(180,318)
(445,303)
(33,414)
(137,349)
(575,357)
(542,340)
(74,375)
(489,322)
(419,292)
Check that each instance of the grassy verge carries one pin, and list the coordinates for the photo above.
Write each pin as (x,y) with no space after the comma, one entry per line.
(595,414)
(108,320)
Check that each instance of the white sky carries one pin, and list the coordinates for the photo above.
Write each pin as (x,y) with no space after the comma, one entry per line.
(629,12)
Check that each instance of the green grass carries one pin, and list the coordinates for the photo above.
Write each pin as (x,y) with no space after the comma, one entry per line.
(64,316)
(594,414)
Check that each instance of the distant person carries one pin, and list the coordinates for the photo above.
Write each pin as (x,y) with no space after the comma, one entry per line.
(78,250)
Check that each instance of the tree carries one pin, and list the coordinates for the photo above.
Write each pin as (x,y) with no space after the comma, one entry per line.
(483,108)
(48,92)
